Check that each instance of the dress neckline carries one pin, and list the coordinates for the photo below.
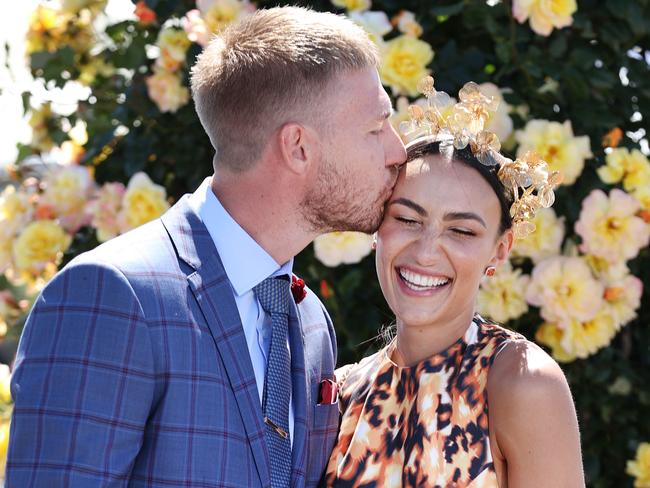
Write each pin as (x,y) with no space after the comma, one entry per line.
(443,355)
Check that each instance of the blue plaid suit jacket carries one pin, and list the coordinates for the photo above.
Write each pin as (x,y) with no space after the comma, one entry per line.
(133,370)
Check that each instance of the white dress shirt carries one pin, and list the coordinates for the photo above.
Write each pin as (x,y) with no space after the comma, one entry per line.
(246,265)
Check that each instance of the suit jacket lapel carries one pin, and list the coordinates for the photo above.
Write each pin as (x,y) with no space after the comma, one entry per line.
(213,292)
(301,400)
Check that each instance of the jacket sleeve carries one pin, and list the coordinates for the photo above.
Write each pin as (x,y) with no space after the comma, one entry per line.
(83,383)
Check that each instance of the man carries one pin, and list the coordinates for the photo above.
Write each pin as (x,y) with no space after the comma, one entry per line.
(171,356)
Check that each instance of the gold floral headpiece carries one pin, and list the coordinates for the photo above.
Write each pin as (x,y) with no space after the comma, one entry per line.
(462,124)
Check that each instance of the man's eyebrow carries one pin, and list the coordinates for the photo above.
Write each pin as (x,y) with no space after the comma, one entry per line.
(410,204)
(464,216)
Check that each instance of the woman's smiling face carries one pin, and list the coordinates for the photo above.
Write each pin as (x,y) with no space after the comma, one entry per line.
(440,231)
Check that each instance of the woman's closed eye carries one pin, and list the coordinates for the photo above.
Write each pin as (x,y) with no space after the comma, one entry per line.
(463,231)
(406,220)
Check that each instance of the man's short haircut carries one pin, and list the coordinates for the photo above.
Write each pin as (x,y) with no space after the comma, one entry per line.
(266,69)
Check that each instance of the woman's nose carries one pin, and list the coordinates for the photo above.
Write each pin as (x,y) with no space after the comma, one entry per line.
(427,248)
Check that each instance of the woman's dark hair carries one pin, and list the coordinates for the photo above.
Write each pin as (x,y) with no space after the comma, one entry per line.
(429,146)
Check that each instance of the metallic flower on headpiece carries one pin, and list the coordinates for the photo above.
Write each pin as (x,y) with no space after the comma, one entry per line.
(528,177)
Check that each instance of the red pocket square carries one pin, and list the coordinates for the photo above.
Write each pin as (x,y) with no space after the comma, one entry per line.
(327,392)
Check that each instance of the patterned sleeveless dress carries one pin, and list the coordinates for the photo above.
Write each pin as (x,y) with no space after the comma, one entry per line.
(419,426)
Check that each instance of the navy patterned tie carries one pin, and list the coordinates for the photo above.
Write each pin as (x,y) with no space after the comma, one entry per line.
(274,296)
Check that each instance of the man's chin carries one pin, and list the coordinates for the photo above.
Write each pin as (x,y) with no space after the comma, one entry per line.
(368,225)
(352,220)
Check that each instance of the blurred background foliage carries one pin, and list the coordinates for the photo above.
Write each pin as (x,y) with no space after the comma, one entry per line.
(593,72)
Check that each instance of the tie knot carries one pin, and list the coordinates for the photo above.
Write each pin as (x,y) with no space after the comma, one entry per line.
(274,295)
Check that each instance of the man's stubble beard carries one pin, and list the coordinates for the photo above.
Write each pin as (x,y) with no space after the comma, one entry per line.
(333,204)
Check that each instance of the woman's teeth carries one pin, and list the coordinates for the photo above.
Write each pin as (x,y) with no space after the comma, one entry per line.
(420,282)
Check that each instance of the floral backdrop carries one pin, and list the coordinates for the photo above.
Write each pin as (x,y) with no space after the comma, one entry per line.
(573,82)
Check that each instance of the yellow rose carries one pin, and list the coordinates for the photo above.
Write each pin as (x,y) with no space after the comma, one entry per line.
(67,189)
(545,241)
(15,211)
(501,297)
(565,290)
(167,91)
(5,384)
(10,311)
(544,14)
(375,23)
(352,5)
(80,35)
(47,27)
(623,298)
(173,44)
(78,134)
(630,167)
(606,271)
(41,243)
(586,338)
(69,153)
(609,226)
(74,6)
(642,195)
(4,444)
(105,209)
(6,253)
(96,66)
(640,467)
(407,24)
(196,28)
(217,14)
(142,202)
(404,63)
(556,144)
(39,122)
(551,335)
(342,247)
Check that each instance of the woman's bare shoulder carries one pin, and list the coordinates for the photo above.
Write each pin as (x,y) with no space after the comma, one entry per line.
(523,368)
(532,417)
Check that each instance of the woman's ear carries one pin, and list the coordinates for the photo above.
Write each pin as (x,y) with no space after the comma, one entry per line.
(297,146)
(502,248)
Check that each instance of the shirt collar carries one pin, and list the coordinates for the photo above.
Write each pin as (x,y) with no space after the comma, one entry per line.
(246,263)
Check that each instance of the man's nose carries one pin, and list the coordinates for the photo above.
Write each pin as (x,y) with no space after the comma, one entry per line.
(395,151)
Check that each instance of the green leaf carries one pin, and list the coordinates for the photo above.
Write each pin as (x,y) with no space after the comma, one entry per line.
(504,52)
(602,79)
(558,46)
(51,65)
(447,10)
(26,98)
(636,20)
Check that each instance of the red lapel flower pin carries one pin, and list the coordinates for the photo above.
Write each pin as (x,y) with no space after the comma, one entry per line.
(298,289)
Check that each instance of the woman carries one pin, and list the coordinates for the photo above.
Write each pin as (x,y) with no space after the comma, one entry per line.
(417,413)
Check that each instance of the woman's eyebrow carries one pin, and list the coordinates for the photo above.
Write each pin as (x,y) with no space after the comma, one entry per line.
(464,216)
(410,204)
(447,217)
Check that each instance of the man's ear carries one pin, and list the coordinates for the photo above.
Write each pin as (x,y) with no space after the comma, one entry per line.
(298,146)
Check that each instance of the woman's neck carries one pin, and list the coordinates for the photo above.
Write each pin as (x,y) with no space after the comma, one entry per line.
(417,343)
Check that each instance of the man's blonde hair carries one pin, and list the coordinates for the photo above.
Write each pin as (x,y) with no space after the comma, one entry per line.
(267,68)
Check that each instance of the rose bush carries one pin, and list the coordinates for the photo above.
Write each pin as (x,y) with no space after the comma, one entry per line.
(573,81)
